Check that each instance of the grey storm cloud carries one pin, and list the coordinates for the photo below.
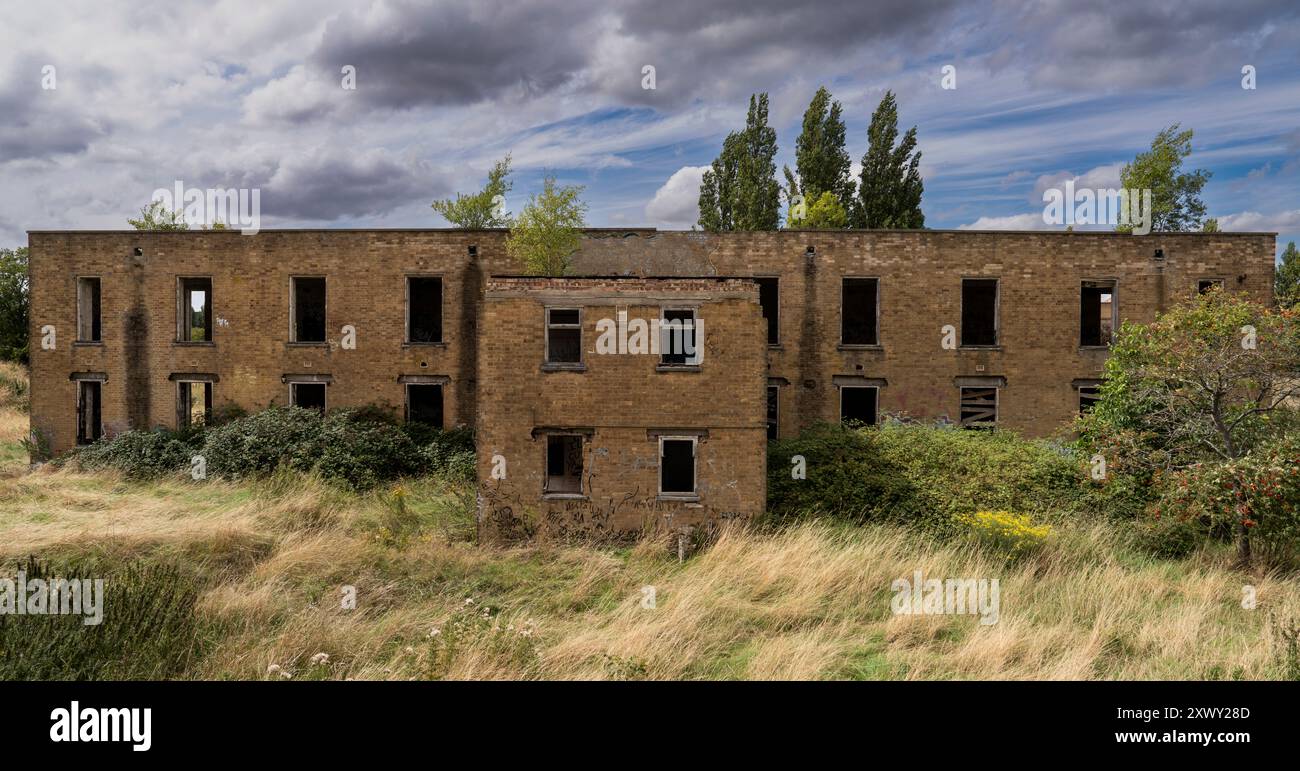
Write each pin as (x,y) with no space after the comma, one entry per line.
(40,123)
(332,187)
(455,55)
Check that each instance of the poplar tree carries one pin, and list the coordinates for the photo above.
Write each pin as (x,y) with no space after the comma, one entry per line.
(889,193)
(740,191)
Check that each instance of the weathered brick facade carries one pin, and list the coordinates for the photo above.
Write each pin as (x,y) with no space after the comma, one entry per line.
(618,405)
(1035,364)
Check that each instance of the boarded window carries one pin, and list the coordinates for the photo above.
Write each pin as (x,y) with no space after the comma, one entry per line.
(1088,398)
(88,310)
(858,404)
(308,310)
(195,311)
(979,311)
(979,408)
(769,297)
(193,404)
(858,311)
(1097,311)
(1206,284)
(773,410)
(424,404)
(423,309)
(677,466)
(678,338)
(563,336)
(563,463)
(89,427)
(309,396)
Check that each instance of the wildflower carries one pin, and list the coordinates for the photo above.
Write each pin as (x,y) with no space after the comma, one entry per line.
(435,632)
(469,600)
(320,658)
(409,649)
(273,669)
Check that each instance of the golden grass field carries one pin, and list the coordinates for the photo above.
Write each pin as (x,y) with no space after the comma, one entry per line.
(810,601)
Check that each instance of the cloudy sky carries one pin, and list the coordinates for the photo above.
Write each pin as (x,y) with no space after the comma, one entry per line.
(250,94)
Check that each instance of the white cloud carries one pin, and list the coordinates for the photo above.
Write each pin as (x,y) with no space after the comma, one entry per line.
(1031,221)
(676,203)
(1253,221)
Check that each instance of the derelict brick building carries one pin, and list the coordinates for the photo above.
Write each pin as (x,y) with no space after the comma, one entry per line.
(1009,329)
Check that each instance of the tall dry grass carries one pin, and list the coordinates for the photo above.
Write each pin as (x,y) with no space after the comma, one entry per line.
(277,559)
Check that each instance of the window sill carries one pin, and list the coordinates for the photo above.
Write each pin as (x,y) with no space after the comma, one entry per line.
(88,343)
(860,347)
(194,343)
(564,367)
(679,497)
(563,497)
(410,344)
(316,344)
(979,347)
(1094,348)
(678,368)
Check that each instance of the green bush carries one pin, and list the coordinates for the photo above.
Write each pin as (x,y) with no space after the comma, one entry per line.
(956,472)
(148,630)
(847,476)
(447,452)
(359,448)
(142,454)
(1260,491)
(923,475)
(259,443)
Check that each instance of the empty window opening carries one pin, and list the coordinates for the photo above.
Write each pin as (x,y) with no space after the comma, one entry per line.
(564,463)
(193,404)
(769,298)
(308,309)
(979,408)
(88,411)
(858,311)
(773,410)
(563,336)
(979,311)
(1097,312)
(678,339)
(196,311)
(309,396)
(677,466)
(423,309)
(88,310)
(424,404)
(1088,398)
(858,404)
(1206,284)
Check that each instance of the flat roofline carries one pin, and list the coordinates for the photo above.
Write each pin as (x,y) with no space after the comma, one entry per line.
(595,277)
(234,231)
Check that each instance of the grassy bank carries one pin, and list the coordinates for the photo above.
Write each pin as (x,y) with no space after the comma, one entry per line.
(271,562)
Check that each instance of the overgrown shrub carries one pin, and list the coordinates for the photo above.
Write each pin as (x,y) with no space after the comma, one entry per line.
(348,446)
(1260,491)
(447,452)
(955,472)
(142,454)
(148,630)
(847,476)
(923,475)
